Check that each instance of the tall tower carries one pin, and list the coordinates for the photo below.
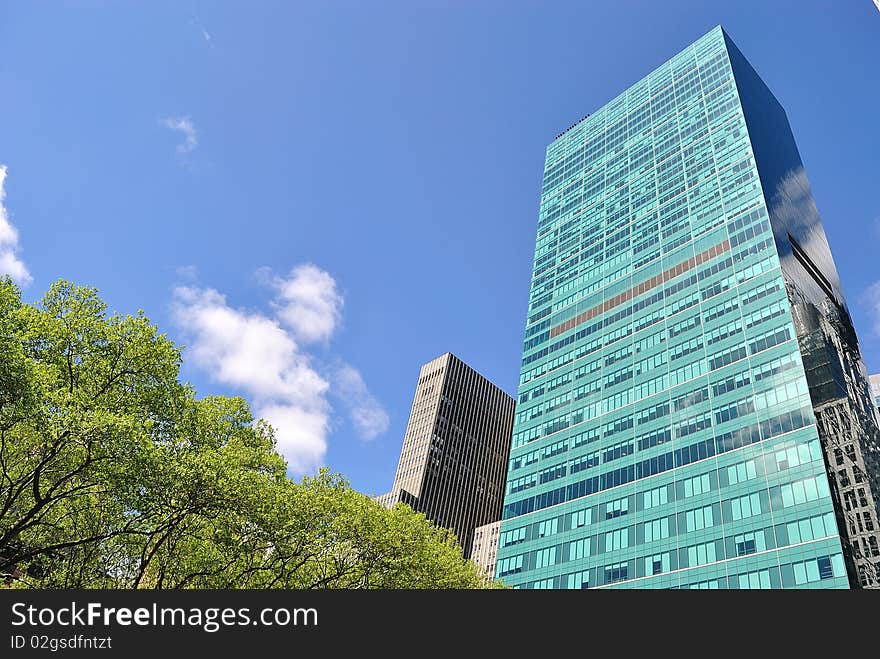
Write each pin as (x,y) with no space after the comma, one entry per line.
(455,450)
(693,409)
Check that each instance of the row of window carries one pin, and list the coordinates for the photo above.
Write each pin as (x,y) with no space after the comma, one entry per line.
(824,568)
(782,393)
(722,443)
(620,159)
(744,274)
(604,406)
(699,168)
(593,388)
(593,257)
(683,525)
(659,117)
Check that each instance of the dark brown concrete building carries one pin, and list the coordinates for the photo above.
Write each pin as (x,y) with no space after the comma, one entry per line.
(453,463)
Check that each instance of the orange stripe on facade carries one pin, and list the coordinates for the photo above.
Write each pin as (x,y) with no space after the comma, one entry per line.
(644,287)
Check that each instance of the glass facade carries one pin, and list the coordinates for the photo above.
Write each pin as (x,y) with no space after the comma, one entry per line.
(664,433)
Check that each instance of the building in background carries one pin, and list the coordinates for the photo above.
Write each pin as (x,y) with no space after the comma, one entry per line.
(484,550)
(693,409)
(454,457)
(875,385)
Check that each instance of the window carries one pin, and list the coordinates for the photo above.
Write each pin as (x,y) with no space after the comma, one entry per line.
(824,565)
(696,485)
(758,579)
(617,451)
(657,564)
(616,572)
(581,518)
(579,580)
(742,471)
(654,438)
(617,508)
(548,527)
(811,528)
(618,539)
(812,570)
(510,565)
(554,449)
(584,462)
(746,506)
(552,473)
(657,529)
(699,518)
(808,489)
(749,543)
(522,483)
(585,437)
(701,554)
(793,456)
(656,497)
(705,585)
(578,549)
(545,557)
(513,537)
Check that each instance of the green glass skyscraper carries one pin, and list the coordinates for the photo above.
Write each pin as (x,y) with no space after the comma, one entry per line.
(693,409)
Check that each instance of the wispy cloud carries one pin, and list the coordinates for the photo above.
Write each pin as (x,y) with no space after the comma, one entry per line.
(262,356)
(197,24)
(185,127)
(10,263)
(367,415)
(187,272)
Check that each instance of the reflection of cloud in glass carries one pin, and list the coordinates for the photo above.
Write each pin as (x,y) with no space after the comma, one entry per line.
(794,212)
(793,203)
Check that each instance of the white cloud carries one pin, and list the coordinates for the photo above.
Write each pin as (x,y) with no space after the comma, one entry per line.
(10,263)
(251,352)
(308,302)
(301,434)
(185,127)
(367,415)
(262,356)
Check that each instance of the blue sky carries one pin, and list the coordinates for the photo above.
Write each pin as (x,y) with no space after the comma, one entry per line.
(317,198)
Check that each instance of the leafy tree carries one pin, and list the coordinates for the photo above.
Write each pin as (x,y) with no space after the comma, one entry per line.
(113,474)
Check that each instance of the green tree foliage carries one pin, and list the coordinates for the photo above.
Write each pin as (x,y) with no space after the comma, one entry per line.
(114,475)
